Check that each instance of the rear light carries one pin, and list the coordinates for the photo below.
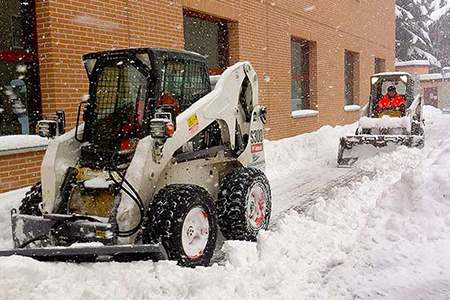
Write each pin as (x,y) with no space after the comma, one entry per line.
(170,129)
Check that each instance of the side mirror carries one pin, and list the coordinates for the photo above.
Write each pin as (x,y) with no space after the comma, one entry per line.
(263,114)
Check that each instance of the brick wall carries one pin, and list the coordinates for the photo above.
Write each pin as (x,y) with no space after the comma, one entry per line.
(260,32)
(20,170)
(420,70)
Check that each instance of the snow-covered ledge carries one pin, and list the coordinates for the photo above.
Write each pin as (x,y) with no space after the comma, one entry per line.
(304,113)
(349,108)
(14,144)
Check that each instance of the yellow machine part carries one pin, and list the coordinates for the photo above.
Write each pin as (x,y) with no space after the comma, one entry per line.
(92,202)
(96,204)
(392,114)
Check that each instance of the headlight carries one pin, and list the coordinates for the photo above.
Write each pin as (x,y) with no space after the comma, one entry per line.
(48,128)
(161,128)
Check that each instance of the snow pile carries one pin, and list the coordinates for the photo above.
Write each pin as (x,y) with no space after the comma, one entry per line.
(353,242)
(406,238)
(305,151)
(97,183)
(11,142)
(412,63)
(385,122)
(8,201)
(430,113)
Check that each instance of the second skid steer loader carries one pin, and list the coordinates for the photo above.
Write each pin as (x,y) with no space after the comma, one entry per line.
(159,164)
(389,126)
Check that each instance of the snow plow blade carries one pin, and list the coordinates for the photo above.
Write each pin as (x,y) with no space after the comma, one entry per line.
(123,253)
(351,148)
(78,241)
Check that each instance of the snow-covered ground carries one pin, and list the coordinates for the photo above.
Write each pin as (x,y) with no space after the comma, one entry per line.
(377,231)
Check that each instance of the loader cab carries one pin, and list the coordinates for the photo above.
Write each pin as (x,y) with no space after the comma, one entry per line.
(125,89)
(403,82)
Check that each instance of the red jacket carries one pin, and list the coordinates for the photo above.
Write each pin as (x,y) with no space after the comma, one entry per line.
(385,102)
(167,99)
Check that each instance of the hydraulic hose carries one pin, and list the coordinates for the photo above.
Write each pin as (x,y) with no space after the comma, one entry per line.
(136,198)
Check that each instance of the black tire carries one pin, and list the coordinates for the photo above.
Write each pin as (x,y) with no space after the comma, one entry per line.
(30,203)
(167,215)
(234,206)
(417,129)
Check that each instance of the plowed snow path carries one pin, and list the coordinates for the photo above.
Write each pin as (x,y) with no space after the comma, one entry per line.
(379,235)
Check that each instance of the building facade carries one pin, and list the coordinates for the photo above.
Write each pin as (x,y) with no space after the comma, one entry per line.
(313,58)
(433,86)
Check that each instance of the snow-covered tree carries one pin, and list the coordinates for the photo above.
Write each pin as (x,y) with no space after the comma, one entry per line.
(423,31)
(412,31)
(440,30)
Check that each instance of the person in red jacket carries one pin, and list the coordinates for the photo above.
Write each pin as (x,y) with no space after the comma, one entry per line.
(391,100)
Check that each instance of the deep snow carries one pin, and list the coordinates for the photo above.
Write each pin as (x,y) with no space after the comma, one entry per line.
(376,231)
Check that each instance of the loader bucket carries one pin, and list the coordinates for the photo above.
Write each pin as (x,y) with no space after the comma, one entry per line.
(353,148)
(123,253)
(80,241)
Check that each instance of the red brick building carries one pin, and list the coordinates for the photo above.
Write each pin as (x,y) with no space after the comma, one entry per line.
(313,57)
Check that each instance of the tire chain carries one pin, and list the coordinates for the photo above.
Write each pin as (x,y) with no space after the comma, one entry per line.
(30,203)
(231,206)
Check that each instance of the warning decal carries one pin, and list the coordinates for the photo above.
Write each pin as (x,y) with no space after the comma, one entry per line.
(192,124)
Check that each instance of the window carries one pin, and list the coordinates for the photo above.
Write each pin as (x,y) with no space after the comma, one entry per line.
(19,81)
(184,81)
(120,103)
(301,74)
(208,36)
(380,65)
(17,33)
(431,96)
(351,75)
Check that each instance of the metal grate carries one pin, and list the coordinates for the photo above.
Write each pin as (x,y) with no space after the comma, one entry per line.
(118,113)
(185,81)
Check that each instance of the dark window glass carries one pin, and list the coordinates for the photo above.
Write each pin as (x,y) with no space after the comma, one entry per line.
(14,102)
(350,72)
(120,102)
(208,36)
(380,65)
(300,74)
(185,82)
(20,107)
(17,33)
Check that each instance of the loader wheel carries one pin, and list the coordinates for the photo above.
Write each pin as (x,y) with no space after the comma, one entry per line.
(244,204)
(30,203)
(416,129)
(182,217)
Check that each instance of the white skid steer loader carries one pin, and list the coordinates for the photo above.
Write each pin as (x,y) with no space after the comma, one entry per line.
(160,163)
(389,125)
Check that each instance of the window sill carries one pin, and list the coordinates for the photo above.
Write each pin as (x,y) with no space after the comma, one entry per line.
(15,144)
(304,113)
(349,108)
